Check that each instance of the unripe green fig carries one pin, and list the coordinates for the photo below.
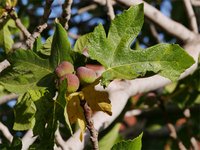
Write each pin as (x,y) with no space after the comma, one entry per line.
(72,82)
(64,68)
(86,75)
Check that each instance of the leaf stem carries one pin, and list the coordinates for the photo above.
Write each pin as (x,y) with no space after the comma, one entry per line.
(90,124)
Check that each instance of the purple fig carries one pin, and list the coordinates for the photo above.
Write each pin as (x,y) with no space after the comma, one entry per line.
(72,82)
(86,75)
(64,68)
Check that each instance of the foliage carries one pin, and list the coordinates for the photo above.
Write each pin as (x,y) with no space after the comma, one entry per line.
(44,102)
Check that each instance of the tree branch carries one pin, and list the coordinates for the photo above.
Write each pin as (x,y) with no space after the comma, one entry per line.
(195,2)
(66,14)
(90,124)
(154,32)
(120,91)
(172,27)
(6,132)
(59,140)
(28,139)
(110,9)
(170,126)
(4,64)
(191,15)
(6,98)
(18,22)
(43,24)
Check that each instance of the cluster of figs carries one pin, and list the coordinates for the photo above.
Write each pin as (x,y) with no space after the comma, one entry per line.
(82,75)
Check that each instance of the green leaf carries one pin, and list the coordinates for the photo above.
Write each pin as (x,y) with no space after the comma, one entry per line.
(24,112)
(28,71)
(135,144)
(110,138)
(62,102)
(6,40)
(46,47)
(16,144)
(114,53)
(81,43)
(60,48)
(37,45)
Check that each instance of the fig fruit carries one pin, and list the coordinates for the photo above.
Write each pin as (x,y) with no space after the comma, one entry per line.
(86,75)
(72,82)
(64,68)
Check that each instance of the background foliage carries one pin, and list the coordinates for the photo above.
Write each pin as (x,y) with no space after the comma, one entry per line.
(158,108)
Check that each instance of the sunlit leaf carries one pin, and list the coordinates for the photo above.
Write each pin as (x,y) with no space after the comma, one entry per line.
(28,72)
(97,100)
(135,144)
(114,53)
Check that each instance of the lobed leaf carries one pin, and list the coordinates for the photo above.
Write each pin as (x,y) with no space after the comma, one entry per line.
(28,71)
(114,53)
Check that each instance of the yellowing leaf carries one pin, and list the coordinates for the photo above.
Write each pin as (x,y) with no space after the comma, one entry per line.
(74,109)
(97,100)
(82,126)
(75,113)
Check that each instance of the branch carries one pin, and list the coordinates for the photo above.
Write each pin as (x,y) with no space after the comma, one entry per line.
(43,24)
(110,12)
(172,27)
(173,135)
(90,124)
(6,132)
(194,143)
(120,91)
(191,16)
(59,140)
(154,32)
(195,3)
(170,126)
(28,139)
(4,64)
(87,8)
(18,23)
(66,14)
(6,98)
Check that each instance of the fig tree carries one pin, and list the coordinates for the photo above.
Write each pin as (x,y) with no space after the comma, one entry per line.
(86,75)
(64,68)
(72,82)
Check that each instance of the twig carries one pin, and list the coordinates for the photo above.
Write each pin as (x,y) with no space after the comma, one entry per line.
(72,35)
(191,15)
(110,11)
(59,140)
(7,98)
(172,27)
(170,126)
(28,139)
(122,90)
(154,32)
(195,2)
(194,143)
(66,14)
(6,132)
(173,135)
(87,8)
(90,124)
(18,22)
(4,64)
(43,24)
